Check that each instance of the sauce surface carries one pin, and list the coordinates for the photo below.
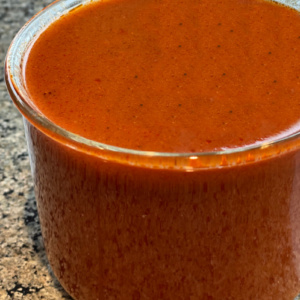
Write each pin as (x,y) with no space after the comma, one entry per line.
(171,76)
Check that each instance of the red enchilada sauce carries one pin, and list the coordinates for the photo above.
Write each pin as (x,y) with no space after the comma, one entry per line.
(172,76)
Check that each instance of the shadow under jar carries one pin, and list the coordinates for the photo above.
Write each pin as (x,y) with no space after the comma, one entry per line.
(127,224)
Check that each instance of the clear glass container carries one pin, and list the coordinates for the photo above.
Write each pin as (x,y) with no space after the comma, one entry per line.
(125,224)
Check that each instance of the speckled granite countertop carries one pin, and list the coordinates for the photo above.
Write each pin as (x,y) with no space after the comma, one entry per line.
(24,269)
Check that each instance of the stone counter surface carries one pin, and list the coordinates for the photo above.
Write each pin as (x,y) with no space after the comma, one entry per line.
(24,269)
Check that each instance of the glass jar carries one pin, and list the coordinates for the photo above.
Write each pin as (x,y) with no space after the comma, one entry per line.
(127,224)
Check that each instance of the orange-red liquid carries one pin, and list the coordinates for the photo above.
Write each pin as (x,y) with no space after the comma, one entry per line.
(178,76)
(172,76)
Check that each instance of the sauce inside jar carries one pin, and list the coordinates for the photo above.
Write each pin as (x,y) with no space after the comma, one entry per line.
(173,76)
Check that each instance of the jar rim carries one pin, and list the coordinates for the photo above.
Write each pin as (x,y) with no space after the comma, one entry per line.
(14,77)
